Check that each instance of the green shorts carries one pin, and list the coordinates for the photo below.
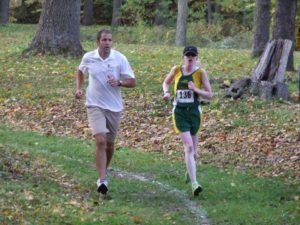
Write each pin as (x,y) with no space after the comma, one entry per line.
(187,119)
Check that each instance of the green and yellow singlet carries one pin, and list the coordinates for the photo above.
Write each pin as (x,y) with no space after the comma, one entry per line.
(183,95)
(187,114)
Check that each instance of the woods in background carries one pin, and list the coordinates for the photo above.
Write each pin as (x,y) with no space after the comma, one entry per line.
(224,18)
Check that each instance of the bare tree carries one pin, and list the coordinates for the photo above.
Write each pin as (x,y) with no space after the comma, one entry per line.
(217,8)
(116,13)
(59,28)
(161,8)
(284,25)
(181,28)
(209,12)
(88,12)
(4,11)
(261,26)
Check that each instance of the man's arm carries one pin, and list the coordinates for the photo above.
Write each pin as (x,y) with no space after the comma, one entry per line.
(128,82)
(125,81)
(79,82)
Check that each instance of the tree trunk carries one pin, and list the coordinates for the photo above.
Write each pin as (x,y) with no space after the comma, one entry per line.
(297,47)
(261,26)
(4,11)
(284,25)
(59,29)
(88,12)
(181,28)
(160,10)
(299,83)
(217,8)
(209,12)
(116,13)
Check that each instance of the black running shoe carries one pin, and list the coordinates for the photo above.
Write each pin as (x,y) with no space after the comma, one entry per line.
(196,189)
(102,187)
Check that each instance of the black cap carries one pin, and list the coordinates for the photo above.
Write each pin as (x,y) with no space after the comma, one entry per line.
(190,49)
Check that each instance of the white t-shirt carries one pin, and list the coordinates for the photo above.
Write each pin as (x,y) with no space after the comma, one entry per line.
(99,93)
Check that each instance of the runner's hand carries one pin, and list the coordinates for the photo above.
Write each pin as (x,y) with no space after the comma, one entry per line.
(166,96)
(191,85)
(79,94)
(112,81)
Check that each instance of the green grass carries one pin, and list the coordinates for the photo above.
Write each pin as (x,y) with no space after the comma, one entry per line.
(52,180)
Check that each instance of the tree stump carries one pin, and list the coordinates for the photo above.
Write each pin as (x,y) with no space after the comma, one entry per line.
(268,78)
(271,68)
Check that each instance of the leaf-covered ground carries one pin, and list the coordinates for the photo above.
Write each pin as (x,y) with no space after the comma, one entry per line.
(37,93)
(243,133)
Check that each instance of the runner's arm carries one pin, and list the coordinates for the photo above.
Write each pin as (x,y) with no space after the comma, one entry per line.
(79,82)
(166,84)
(206,92)
(168,80)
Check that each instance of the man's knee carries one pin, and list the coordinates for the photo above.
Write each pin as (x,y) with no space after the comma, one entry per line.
(110,145)
(100,140)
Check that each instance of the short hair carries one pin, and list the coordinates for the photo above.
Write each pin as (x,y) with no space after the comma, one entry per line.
(106,31)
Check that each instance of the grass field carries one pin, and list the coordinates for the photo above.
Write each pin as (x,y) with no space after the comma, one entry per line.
(51,180)
(249,148)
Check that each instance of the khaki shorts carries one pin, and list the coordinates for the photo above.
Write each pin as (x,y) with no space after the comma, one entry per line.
(104,121)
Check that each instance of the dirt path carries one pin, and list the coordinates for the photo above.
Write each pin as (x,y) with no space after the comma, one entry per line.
(199,213)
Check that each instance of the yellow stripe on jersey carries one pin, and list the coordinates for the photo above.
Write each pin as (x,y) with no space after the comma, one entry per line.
(177,131)
(196,78)
(177,78)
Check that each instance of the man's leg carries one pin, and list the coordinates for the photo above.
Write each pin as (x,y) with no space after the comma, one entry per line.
(100,154)
(109,152)
(113,123)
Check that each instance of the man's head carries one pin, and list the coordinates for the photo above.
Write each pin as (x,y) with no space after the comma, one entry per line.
(104,41)
(103,31)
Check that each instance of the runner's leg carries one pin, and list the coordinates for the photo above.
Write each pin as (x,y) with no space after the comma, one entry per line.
(189,154)
(100,154)
(109,152)
(195,144)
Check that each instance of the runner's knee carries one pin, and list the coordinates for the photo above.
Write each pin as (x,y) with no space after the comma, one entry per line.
(189,149)
(100,141)
(110,146)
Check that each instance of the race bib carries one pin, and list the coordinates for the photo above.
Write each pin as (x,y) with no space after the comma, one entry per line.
(185,96)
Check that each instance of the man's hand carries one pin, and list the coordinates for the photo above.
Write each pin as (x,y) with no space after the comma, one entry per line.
(112,81)
(79,94)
